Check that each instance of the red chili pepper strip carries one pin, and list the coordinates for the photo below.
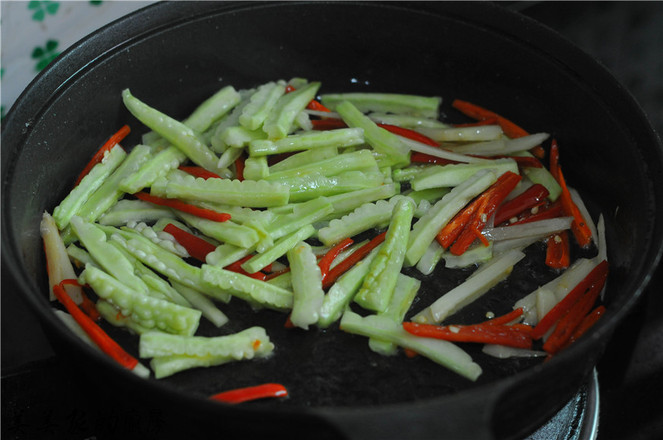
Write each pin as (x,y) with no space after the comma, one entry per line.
(558,250)
(538,151)
(410,353)
(276,274)
(491,199)
(410,134)
(328,124)
(581,231)
(89,307)
(475,112)
(238,264)
(99,155)
(239,168)
(240,395)
(587,323)
(507,318)
(486,334)
(325,262)
(315,105)
(523,161)
(482,204)
(596,276)
(96,333)
(184,207)
(471,231)
(332,123)
(195,246)
(570,322)
(552,210)
(199,172)
(237,267)
(508,127)
(554,159)
(531,197)
(450,232)
(352,259)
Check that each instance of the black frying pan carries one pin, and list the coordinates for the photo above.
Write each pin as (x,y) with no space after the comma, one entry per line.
(173,55)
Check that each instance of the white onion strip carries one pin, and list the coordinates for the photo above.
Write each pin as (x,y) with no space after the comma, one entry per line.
(537,228)
(503,352)
(439,152)
(501,146)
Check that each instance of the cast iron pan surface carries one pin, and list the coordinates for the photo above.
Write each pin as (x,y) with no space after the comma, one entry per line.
(174,55)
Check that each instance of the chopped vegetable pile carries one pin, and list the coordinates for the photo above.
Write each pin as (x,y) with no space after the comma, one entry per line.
(313,205)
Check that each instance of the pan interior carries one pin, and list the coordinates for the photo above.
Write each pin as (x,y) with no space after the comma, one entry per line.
(348,48)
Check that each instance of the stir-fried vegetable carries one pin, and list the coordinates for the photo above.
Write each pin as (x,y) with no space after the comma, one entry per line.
(246,394)
(333,211)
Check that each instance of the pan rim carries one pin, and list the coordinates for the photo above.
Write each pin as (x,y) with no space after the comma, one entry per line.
(10,254)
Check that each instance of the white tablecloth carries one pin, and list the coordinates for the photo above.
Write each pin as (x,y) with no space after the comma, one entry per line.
(35,32)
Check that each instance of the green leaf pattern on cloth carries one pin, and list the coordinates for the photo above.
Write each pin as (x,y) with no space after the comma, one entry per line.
(35,32)
(44,55)
(43,8)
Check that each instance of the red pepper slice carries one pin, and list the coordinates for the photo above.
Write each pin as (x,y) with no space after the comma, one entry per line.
(472,230)
(548,211)
(199,172)
(508,127)
(580,228)
(106,147)
(352,259)
(532,196)
(89,307)
(184,207)
(586,323)
(195,246)
(567,325)
(240,395)
(332,123)
(508,335)
(476,112)
(558,250)
(581,231)
(596,276)
(506,318)
(485,206)
(276,274)
(239,168)
(96,333)
(315,105)
(410,134)
(450,232)
(328,124)
(325,262)
(554,159)
(237,267)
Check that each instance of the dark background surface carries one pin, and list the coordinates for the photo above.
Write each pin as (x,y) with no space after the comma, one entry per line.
(42,399)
